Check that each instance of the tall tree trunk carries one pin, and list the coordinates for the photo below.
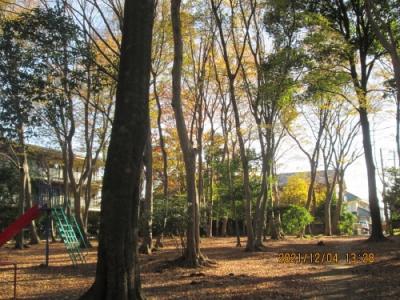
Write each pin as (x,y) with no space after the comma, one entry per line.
(147,214)
(313,174)
(210,203)
(88,198)
(65,178)
(28,198)
(192,254)
(117,273)
(26,188)
(376,234)
(19,239)
(278,222)
(232,200)
(398,123)
(261,199)
(199,138)
(165,163)
(360,84)
(245,166)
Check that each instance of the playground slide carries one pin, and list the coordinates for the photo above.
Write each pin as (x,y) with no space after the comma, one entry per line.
(19,224)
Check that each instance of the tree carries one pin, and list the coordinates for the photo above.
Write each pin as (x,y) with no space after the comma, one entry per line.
(295,191)
(147,244)
(22,75)
(384,18)
(74,87)
(160,61)
(348,18)
(192,255)
(117,273)
(226,36)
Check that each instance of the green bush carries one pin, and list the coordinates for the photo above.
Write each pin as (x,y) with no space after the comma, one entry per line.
(346,222)
(175,213)
(295,218)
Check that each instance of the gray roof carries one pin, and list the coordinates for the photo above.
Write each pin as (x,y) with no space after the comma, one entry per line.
(320,178)
(351,197)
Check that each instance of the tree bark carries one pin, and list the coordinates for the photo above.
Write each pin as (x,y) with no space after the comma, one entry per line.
(117,273)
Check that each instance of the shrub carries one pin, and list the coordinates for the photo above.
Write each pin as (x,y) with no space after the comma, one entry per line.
(346,222)
(295,219)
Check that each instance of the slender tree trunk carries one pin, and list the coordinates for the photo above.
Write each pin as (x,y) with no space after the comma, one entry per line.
(192,254)
(200,182)
(147,214)
(19,239)
(261,199)
(338,210)
(159,242)
(376,234)
(245,166)
(26,188)
(88,198)
(278,222)
(398,119)
(65,178)
(117,274)
(313,174)
(28,198)
(210,204)
(232,200)
(328,203)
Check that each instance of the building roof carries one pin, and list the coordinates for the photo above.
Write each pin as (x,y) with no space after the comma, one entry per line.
(320,178)
(43,153)
(351,197)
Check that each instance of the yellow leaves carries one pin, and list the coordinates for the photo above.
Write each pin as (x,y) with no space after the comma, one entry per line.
(295,191)
(289,114)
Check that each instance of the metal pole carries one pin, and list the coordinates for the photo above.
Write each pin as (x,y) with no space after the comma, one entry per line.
(15,281)
(47,236)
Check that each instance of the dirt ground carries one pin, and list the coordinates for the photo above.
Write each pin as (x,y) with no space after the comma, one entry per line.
(237,274)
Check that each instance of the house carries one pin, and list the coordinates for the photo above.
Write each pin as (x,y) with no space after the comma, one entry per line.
(47,178)
(359,208)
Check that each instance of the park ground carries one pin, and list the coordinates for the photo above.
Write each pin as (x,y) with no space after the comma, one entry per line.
(236,275)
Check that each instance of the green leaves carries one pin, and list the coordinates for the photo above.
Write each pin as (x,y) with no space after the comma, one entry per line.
(295,219)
